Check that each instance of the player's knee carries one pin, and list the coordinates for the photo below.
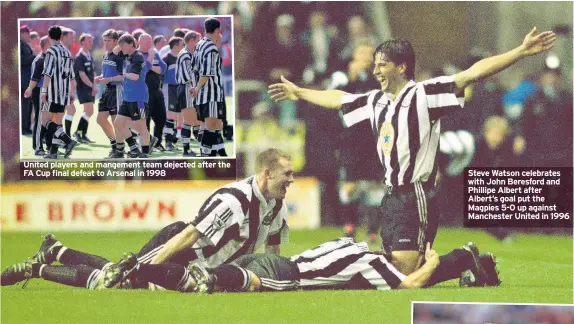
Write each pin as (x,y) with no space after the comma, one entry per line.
(213,123)
(407,261)
(101,119)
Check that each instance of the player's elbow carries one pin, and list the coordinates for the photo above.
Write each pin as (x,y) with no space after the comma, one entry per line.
(409,284)
(465,78)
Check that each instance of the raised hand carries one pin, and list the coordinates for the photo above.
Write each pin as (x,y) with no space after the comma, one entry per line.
(286,90)
(537,43)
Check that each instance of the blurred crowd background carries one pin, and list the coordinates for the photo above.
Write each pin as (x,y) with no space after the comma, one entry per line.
(492,314)
(521,117)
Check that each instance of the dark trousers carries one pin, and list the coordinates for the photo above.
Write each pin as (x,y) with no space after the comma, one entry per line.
(156,112)
(37,132)
(25,104)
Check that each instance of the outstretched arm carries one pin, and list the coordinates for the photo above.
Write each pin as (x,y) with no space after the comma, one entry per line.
(287,90)
(533,44)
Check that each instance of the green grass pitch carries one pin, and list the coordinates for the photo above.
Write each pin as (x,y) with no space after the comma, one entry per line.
(101,148)
(534,269)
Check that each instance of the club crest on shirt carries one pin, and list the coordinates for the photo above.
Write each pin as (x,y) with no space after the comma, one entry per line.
(268,218)
(218,222)
(386,138)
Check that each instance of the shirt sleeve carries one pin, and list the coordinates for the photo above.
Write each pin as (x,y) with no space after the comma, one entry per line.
(356,107)
(119,63)
(208,64)
(38,67)
(441,96)
(79,64)
(279,230)
(216,218)
(137,64)
(49,64)
(157,61)
(72,71)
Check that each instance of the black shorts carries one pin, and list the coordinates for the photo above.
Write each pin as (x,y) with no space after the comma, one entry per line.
(170,97)
(110,100)
(52,108)
(85,95)
(154,245)
(211,109)
(410,219)
(184,99)
(276,272)
(134,110)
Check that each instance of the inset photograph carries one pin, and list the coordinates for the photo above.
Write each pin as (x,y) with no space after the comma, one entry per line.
(126,87)
(483,313)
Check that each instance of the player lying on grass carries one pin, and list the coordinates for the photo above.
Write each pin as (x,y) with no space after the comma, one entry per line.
(337,264)
(236,219)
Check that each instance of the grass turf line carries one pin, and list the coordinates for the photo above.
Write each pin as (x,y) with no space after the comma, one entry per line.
(534,269)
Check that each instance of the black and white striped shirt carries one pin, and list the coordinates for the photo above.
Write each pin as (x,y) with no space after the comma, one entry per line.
(407,128)
(236,220)
(184,68)
(59,65)
(342,262)
(207,62)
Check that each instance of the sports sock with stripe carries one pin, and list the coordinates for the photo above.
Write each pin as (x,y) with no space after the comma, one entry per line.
(450,266)
(69,256)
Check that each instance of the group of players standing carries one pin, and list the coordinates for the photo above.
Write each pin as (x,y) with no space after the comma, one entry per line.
(140,85)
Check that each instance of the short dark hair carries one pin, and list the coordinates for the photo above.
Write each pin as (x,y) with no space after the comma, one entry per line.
(55,32)
(399,51)
(34,35)
(174,41)
(178,32)
(137,33)
(211,24)
(84,36)
(128,39)
(191,35)
(120,33)
(158,39)
(110,33)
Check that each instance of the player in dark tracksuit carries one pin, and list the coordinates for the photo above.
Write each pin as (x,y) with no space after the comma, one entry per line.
(33,90)
(169,89)
(153,82)
(86,89)
(112,67)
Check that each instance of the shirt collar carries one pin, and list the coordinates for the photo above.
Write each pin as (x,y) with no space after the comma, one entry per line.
(409,84)
(259,195)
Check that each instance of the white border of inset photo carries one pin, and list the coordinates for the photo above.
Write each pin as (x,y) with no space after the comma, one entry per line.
(231,102)
(482,303)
